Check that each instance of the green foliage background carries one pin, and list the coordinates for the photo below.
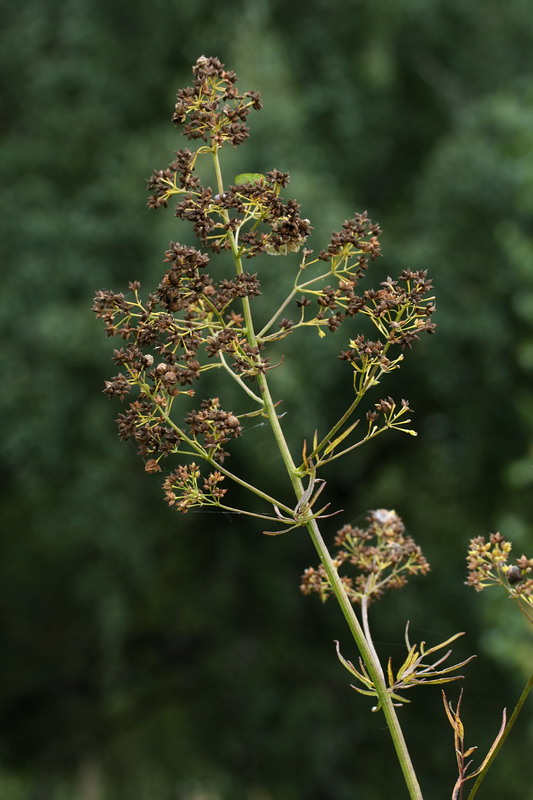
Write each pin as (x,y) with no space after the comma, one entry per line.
(150,656)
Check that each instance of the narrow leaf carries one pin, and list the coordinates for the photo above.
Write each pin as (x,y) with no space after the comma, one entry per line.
(347,664)
(334,444)
(304,454)
(364,691)
(493,746)
(279,533)
(409,663)
(442,644)
(399,697)
(452,717)
(390,673)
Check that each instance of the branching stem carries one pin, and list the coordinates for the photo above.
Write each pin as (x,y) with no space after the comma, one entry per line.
(365,647)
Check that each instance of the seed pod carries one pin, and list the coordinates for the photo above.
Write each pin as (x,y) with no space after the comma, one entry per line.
(169,378)
(174,277)
(514,575)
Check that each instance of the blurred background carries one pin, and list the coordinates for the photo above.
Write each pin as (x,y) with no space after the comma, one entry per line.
(147,655)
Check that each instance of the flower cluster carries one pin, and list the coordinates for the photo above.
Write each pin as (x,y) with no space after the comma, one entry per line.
(249,216)
(214,427)
(381,554)
(170,341)
(393,417)
(347,256)
(351,239)
(212,109)
(400,309)
(193,322)
(153,438)
(182,489)
(487,564)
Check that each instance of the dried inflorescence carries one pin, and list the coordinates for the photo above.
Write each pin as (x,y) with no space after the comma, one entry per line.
(212,109)
(400,310)
(183,489)
(357,234)
(488,565)
(381,555)
(249,215)
(214,427)
(194,322)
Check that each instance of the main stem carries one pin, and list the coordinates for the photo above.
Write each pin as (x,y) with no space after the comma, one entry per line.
(365,648)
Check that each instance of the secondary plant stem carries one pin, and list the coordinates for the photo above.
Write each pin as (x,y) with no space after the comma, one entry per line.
(507,730)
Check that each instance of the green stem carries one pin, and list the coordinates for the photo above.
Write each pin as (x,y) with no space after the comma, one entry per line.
(523,610)
(371,662)
(507,729)
(271,500)
(238,380)
(345,417)
(278,313)
(233,510)
(322,461)
(366,629)
(297,288)
(372,379)
(368,654)
(202,454)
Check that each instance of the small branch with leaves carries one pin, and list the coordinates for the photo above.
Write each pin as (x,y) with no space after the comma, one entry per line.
(415,671)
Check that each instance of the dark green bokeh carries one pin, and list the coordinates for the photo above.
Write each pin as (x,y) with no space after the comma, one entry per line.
(165,657)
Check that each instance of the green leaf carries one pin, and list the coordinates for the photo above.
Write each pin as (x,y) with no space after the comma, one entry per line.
(249,177)
(332,445)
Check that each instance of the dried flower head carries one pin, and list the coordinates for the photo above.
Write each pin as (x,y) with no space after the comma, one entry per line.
(381,555)
(194,323)
(212,109)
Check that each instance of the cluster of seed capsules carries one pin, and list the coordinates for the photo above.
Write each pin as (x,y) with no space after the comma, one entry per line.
(194,321)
